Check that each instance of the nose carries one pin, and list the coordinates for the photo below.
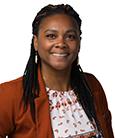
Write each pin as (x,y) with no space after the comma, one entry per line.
(61,43)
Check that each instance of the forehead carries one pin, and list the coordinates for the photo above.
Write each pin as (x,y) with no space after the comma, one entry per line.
(58,20)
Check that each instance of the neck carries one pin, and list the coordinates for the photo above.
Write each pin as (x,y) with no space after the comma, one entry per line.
(56,79)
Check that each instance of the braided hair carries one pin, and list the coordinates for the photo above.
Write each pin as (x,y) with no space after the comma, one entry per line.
(78,81)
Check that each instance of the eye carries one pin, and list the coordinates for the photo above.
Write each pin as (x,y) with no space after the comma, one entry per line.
(51,36)
(71,37)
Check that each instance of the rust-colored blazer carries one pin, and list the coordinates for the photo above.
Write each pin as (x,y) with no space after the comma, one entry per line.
(18,124)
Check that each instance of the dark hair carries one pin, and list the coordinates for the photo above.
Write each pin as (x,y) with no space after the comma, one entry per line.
(30,77)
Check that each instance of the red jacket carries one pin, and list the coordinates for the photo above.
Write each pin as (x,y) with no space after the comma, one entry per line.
(16,123)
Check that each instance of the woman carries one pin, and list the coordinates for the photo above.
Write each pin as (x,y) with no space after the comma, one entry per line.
(54,98)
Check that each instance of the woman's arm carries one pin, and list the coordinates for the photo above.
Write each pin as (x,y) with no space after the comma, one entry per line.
(101,106)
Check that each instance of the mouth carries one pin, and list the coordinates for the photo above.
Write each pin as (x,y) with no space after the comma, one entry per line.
(60,54)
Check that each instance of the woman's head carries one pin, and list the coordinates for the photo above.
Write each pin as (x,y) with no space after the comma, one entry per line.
(57,42)
(56,31)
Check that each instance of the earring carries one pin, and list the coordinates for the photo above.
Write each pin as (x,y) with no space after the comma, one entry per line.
(36,57)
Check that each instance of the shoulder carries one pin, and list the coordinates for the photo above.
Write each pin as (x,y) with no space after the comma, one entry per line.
(11,85)
(96,87)
(92,81)
(11,91)
(97,90)
(11,82)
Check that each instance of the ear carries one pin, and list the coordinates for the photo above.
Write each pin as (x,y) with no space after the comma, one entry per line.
(35,43)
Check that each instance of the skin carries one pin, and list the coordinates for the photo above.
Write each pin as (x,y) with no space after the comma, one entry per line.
(58,44)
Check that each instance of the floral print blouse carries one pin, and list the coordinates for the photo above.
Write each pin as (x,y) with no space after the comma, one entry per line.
(68,117)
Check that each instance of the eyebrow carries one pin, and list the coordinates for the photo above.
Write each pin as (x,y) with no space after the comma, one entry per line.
(51,30)
(71,30)
(55,31)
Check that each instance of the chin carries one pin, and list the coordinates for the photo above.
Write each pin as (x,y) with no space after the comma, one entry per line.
(61,67)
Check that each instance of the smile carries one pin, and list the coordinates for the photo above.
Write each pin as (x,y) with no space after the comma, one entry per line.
(60,54)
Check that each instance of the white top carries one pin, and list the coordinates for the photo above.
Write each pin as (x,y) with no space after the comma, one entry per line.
(67,115)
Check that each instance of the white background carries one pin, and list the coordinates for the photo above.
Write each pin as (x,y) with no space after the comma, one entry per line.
(97,45)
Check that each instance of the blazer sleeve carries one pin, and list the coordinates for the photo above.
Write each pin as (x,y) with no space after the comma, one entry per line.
(101,106)
(106,114)
(7,105)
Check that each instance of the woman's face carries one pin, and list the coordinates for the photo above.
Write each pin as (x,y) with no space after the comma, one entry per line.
(58,41)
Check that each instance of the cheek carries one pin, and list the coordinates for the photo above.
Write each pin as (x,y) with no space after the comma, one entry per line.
(43,44)
(75,55)
(74,52)
(74,46)
(43,50)
(75,49)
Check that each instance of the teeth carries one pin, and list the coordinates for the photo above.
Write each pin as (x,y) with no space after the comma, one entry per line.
(59,55)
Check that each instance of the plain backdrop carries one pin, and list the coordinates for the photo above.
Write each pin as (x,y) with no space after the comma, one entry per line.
(97,53)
